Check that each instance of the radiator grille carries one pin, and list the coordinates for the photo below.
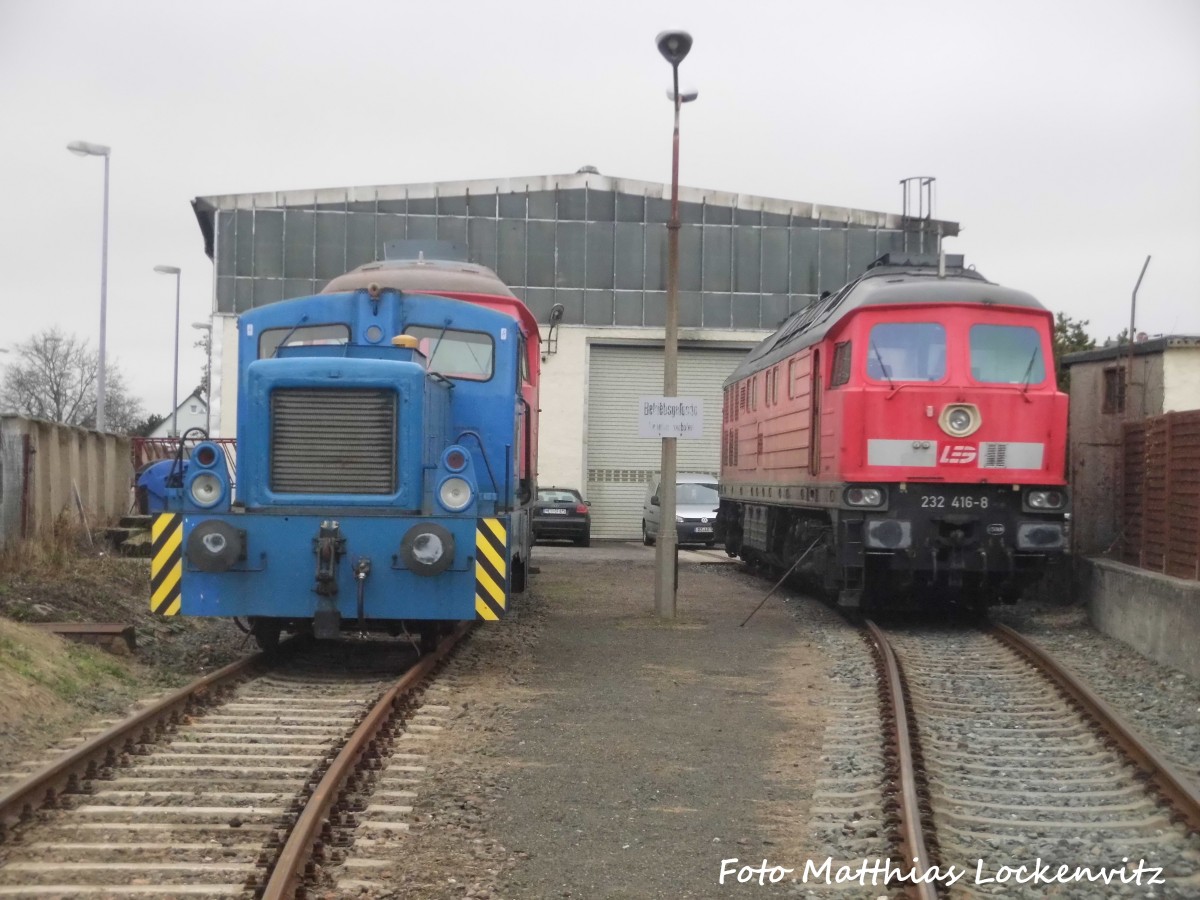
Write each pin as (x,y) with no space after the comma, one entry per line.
(333,441)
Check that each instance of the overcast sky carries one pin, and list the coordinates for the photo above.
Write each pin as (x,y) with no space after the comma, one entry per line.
(1064,136)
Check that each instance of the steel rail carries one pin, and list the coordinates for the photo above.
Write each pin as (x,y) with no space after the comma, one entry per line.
(912,834)
(1177,790)
(291,866)
(42,788)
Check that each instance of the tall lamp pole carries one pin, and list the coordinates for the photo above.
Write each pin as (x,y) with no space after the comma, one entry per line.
(174,270)
(83,148)
(674,46)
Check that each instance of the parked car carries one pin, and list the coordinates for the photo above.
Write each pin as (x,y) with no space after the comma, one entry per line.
(563,514)
(696,502)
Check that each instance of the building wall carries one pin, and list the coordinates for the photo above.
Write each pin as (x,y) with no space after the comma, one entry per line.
(595,244)
(192,413)
(562,446)
(1095,445)
(1181,379)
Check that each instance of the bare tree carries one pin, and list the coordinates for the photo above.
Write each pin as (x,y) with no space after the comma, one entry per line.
(52,376)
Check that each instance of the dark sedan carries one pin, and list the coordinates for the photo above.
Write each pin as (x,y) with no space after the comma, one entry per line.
(562,513)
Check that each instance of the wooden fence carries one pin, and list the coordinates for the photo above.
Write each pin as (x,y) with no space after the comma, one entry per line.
(1160,494)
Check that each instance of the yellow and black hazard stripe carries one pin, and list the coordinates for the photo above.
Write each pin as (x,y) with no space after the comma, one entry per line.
(491,568)
(166,564)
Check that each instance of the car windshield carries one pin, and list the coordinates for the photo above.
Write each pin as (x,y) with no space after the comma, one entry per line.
(558,497)
(693,494)
(1006,354)
(907,351)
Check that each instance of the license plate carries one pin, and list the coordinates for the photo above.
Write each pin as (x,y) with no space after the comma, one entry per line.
(939,501)
(555,512)
(703,529)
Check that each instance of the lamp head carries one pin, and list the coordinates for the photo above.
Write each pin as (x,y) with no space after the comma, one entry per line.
(674,45)
(556,313)
(84,148)
(167,270)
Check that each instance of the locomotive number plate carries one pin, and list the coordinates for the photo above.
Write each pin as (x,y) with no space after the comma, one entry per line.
(940,501)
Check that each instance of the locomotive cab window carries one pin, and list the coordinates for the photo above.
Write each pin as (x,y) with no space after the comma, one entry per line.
(907,351)
(469,355)
(270,340)
(841,364)
(1007,354)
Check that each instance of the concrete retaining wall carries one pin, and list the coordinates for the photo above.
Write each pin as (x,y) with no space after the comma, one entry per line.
(60,459)
(1157,615)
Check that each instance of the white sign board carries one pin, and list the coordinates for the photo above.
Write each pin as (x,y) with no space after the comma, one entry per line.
(666,417)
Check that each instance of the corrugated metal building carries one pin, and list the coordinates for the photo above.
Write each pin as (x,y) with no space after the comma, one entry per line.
(597,247)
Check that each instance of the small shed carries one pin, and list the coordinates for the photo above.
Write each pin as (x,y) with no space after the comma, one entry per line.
(1111,386)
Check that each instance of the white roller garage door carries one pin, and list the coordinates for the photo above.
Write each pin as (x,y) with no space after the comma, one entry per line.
(619,463)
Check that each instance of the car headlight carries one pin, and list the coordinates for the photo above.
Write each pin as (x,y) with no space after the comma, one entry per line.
(960,419)
(455,494)
(1048,500)
(206,489)
(864,497)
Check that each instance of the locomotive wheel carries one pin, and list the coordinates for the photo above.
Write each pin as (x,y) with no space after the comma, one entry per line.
(266,634)
(430,635)
(646,539)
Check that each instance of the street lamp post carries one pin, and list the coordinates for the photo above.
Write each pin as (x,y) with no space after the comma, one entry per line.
(174,270)
(83,148)
(207,326)
(674,46)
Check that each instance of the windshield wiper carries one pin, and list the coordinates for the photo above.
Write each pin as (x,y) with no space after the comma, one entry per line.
(288,336)
(1029,371)
(882,367)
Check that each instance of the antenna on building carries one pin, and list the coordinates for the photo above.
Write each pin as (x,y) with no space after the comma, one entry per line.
(917,190)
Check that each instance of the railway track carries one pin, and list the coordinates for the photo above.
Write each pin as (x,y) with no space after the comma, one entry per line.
(235,787)
(1004,760)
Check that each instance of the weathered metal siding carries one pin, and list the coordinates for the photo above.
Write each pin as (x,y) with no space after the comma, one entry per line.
(1160,494)
(597,245)
(42,464)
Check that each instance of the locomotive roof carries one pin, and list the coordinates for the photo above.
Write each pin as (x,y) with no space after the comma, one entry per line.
(885,283)
(422,276)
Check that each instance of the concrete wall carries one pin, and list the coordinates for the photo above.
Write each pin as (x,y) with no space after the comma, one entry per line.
(61,459)
(1157,615)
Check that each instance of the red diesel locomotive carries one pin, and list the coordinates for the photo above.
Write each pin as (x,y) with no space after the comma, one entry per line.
(902,440)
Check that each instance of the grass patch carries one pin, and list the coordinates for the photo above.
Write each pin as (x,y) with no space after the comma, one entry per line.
(73,675)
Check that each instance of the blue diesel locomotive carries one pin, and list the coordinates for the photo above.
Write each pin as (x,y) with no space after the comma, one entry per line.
(387,456)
